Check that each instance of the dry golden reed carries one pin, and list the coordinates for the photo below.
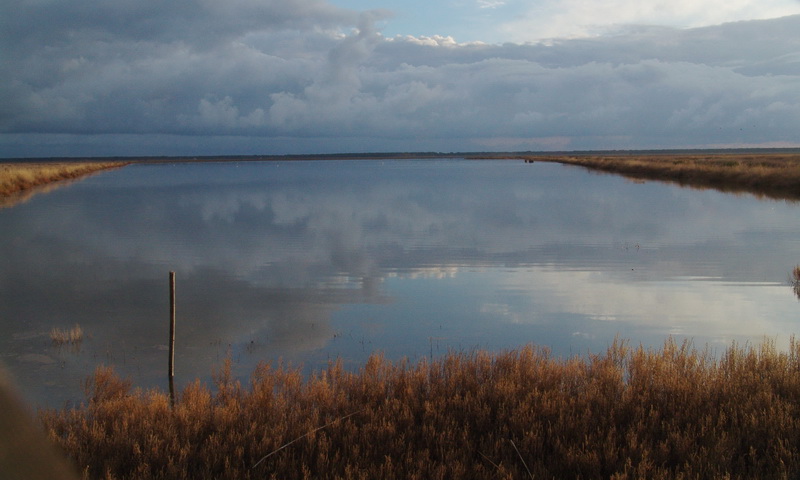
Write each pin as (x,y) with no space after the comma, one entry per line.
(774,175)
(17,177)
(61,336)
(674,412)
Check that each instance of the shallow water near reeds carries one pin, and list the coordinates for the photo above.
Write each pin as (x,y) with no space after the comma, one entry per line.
(307,262)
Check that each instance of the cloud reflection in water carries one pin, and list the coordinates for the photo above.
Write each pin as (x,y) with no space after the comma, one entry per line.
(308,261)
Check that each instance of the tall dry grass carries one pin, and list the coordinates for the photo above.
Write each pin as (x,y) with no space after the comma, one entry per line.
(771,175)
(674,412)
(17,177)
(63,336)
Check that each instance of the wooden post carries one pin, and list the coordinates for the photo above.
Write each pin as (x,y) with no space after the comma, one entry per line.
(171,371)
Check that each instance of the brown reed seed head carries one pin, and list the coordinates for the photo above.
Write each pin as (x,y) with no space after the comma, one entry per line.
(631,412)
(73,336)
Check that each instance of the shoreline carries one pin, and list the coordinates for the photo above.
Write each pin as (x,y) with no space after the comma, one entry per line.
(771,175)
(19,178)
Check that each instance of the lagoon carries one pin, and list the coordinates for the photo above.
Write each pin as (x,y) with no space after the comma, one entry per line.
(310,261)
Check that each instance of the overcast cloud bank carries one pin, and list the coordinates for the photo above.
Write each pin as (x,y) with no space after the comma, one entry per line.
(196,77)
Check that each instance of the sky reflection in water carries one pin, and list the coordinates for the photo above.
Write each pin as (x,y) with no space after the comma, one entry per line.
(311,261)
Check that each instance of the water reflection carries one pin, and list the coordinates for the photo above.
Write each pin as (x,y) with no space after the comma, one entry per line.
(307,261)
(23,196)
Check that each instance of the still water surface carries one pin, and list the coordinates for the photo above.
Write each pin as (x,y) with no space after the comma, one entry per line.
(313,261)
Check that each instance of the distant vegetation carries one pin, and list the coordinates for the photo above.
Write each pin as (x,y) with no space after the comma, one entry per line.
(19,176)
(794,280)
(72,336)
(673,412)
(775,175)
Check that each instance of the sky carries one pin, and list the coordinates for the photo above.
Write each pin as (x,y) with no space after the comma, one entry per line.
(249,77)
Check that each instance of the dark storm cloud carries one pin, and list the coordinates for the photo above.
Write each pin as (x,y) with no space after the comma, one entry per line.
(196,22)
(270,77)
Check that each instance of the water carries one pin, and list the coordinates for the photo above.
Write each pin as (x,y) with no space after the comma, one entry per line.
(305,262)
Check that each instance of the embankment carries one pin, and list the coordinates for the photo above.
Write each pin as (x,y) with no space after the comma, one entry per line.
(770,175)
(19,176)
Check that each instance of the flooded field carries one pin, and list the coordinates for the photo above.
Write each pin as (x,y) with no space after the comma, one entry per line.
(306,262)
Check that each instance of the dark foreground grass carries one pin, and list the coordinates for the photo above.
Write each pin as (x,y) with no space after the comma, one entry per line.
(630,413)
(774,175)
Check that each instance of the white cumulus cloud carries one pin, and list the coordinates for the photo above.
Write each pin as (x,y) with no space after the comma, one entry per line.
(582,18)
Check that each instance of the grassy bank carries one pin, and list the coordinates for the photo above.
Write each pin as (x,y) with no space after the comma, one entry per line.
(630,413)
(771,175)
(18,177)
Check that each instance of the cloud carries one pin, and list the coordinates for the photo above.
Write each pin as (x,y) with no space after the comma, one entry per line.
(196,22)
(583,18)
(711,310)
(199,77)
(490,3)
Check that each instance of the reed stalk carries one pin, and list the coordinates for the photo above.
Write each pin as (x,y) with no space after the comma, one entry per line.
(673,412)
(72,336)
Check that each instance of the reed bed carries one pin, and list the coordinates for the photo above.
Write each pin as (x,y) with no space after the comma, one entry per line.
(771,175)
(674,412)
(62,336)
(18,177)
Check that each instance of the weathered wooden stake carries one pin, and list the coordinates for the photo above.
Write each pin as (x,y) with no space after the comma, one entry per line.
(171,371)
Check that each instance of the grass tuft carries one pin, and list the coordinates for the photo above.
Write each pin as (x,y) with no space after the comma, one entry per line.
(72,336)
(673,412)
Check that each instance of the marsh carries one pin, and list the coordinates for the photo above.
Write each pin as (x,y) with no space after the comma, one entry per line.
(310,261)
